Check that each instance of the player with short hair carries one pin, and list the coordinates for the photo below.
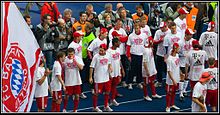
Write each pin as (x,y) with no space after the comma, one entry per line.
(101,64)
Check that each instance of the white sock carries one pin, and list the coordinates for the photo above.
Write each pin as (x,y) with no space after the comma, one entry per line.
(185,85)
(181,88)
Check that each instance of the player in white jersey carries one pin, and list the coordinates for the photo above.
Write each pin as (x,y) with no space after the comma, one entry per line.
(195,59)
(181,22)
(173,77)
(144,27)
(121,34)
(200,92)
(57,82)
(185,47)
(209,42)
(135,46)
(93,48)
(41,90)
(72,65)
(101,64)
(149,70)
(76,44)
(118,71)
(212,92)
(170,39)
(160,64)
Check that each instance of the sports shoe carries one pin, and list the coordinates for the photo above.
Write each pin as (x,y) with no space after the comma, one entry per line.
(147,98)
(158,84)
(75,111)
(64,110)
(96,109)
(130,86)
(175,107)
(140,86)
(167,109)
(124,84)
(156,96)
(107,109)
(114,102)
(83,96)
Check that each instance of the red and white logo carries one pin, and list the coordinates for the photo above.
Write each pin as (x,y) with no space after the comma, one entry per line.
(15,79)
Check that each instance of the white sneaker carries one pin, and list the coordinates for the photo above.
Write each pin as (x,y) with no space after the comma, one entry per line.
(96,109)
(147,98)
(175,107)
(107,109)
(83,96)
(156,96)
(114,102)
(75,111)
(64,110)
(140,86)
(167,109)
(130,86)
(124,84)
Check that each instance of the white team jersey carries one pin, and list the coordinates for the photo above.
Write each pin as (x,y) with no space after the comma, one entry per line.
(181,26)
(72,76)
(196,60)
(94,46)
(148,57)
(170,39)
(146,30)
(198,90)
(209,43)
(185,47)
(122,32)
(115,61)
(41,90)
(100,65)
(77,47)
(160,47)
(173,66)
(137,43)
(213,83)
(55,83)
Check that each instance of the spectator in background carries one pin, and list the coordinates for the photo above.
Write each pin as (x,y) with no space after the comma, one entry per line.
(80,25)
(119,6)
(139,13)
(172,10)
(69,22)
(169,20)
(108,9)
(45,37)
(27,18)
(107,22)
(127,22)
(92,17)
(52,9)
(90,10)
(211,11)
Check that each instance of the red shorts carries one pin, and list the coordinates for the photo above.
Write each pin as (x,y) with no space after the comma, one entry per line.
(73,90)
(115,80)
(149,79)
(192,84)
(41,102)
(212,97)
(102,87)
(57,95)
(171,88)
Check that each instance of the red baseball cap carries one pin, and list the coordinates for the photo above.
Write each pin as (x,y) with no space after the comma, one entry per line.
(183,11)
(103,30)
(211,25)
(163,24)
(189,31)
(205,77)
(104,46)
(77,34)
(195,42)
(175,45)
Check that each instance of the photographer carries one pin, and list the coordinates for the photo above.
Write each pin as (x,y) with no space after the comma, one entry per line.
(45,39)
